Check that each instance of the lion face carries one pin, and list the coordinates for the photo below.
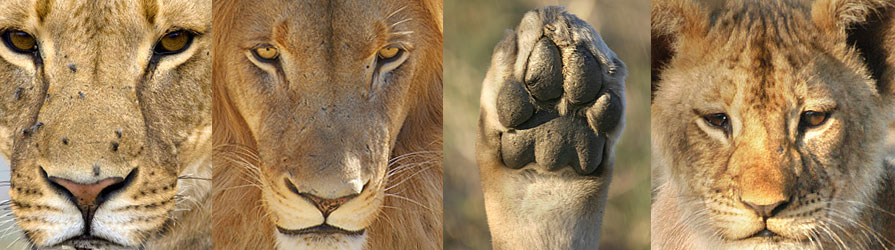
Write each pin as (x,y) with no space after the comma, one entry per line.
(102,106)
(324,113)
(771,130)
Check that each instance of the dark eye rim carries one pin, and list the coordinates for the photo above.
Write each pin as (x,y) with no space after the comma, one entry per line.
(5,36)
(725,120)
(258,57)
(158,49)
(803,123)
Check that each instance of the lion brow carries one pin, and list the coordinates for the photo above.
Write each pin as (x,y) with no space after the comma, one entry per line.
(150,10)
(42,7)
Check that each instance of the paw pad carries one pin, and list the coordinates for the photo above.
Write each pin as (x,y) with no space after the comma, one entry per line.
(561,112)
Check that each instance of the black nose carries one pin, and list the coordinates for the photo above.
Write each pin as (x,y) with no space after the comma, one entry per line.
(769,210)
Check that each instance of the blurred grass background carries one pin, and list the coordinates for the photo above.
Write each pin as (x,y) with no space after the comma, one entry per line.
(472,28)
(10,235)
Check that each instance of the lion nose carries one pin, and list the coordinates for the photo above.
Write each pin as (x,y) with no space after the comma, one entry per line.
(767,210)
(89,196)
(325,205)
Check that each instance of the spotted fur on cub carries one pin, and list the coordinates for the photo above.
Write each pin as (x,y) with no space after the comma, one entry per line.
(772,124)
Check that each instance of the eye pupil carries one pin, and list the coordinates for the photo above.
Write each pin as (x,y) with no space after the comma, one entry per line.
(814,118)
(388,52)
(20,41)
(174,42)
(267,53)
(717,120)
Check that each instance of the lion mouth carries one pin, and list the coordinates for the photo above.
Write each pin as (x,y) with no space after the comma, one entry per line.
(764,234)
(87,242)
(324,229)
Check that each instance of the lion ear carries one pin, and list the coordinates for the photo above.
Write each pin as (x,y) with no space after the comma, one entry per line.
(875,40)
(672,21)
(869,26)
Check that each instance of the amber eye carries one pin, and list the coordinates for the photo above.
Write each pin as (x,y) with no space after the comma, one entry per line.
(813,119)
(174,42)
(266,53)
(20,41)
(389,53)
(719,120)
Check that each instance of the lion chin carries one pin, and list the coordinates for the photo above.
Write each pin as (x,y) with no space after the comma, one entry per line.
(330,240)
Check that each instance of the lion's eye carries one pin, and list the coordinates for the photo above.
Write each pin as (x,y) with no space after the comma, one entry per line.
(388,53)
(267,53)
(20,41)
(174,42)
(813,119)
(719,120)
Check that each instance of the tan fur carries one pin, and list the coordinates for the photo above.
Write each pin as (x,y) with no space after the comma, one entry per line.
(305,119)
(95,77)
(763,63)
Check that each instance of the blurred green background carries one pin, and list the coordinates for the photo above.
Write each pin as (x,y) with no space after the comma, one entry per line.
(10,235)
(471,29)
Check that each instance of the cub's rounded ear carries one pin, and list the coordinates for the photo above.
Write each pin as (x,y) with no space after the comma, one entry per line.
(672,21)
(869,26)
(874,38)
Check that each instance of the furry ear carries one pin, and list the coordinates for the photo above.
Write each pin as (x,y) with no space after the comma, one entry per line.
(672,21)
(874,38)
(869,27)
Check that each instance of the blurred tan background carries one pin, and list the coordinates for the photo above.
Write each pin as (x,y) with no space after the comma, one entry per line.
(472,28)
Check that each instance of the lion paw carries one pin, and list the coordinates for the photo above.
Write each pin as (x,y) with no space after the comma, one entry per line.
(559,96)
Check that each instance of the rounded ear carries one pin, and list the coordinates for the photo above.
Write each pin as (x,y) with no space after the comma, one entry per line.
(874,38)
(670,22)
(869,26)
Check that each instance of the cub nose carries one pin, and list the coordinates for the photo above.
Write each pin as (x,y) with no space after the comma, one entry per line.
(88,196)
(767,210)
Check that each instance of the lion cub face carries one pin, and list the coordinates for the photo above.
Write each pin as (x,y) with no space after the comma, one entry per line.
(324,90)
(771,128)
(102,104)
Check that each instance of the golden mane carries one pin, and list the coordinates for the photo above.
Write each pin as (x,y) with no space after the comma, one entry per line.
(412,220)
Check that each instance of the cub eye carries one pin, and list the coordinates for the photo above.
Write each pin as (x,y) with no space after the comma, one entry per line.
(718,120)
(388,54)
(174,42)
(20,41)
(813,119)
(266,53)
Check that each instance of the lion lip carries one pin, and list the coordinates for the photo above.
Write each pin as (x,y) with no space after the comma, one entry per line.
(320,229)
(90,242)
(764,233)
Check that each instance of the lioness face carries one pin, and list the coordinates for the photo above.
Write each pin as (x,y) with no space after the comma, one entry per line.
(101,103)
(772,133)
(324,113)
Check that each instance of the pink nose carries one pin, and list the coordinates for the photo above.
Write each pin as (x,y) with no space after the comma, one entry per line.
(85,195)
